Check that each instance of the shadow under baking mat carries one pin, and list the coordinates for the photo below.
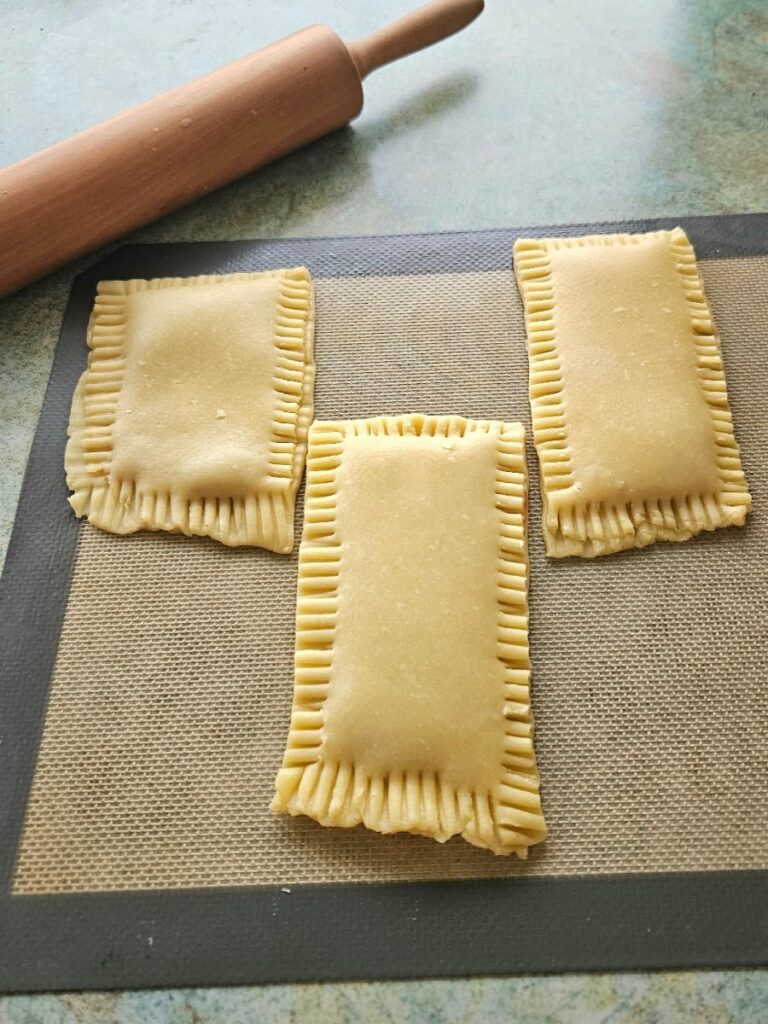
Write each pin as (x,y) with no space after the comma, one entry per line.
(147,683)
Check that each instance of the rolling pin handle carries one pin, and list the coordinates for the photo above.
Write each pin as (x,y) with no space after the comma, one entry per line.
(422,27)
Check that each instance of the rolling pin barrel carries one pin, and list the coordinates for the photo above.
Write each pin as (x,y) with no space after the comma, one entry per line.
(150,160)
(104,182)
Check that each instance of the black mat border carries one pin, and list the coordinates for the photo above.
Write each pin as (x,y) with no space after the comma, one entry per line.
(386,931)
(264,934)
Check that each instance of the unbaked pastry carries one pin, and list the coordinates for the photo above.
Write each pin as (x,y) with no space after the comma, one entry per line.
(193,413)
(630,412)
(411,705)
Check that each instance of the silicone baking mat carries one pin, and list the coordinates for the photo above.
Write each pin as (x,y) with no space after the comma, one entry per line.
(147,686)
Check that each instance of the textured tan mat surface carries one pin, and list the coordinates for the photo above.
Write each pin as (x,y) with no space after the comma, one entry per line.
(171,694)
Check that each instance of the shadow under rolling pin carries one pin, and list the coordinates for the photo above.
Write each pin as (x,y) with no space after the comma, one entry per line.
(139,165)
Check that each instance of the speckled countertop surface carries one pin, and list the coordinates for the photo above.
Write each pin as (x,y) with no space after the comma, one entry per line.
(554,112)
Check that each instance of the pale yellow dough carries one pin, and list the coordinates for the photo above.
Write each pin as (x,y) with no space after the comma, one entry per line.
(630,412)
(411,706)
(193,413)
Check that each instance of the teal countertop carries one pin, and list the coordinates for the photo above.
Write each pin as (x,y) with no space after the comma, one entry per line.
(550,112)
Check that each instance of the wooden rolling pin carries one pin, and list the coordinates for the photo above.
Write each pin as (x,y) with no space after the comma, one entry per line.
(96,186)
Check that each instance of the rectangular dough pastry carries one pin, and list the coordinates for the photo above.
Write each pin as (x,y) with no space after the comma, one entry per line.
(630,412)
(193,413)
(411,706)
